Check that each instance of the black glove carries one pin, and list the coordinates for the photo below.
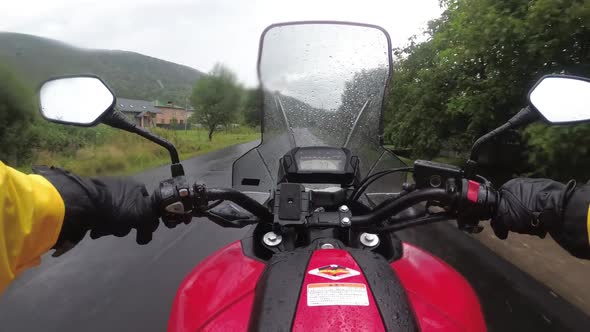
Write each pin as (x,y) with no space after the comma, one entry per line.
(531,206)
(103,205)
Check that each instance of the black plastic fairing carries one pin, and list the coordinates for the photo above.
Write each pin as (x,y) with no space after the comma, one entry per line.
(279,288)
(388,291)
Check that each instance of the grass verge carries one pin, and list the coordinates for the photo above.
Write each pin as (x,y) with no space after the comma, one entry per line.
(124,153)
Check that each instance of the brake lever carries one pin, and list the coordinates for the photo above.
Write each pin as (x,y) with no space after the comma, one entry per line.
(228,215)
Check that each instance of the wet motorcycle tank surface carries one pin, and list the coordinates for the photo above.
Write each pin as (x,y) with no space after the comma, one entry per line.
(321,290)
(218,294)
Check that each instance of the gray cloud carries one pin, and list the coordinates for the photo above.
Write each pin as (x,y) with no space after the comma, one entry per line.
(199,33)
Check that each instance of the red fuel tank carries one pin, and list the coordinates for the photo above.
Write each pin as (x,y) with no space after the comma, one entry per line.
(441,298)
(348,304)
(218,295)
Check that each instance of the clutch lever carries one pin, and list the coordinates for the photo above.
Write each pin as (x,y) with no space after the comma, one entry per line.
(229,215)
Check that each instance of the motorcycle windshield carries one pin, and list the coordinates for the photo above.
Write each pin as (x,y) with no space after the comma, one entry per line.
(322,85)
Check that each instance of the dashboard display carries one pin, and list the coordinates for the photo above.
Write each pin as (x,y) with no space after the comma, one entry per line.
(320,165)
(321,160)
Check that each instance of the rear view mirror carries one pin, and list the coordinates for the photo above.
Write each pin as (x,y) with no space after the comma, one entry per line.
(562,99)
(75,100)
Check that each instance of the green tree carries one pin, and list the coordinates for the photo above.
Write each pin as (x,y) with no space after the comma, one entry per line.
(474,69)
(561,153)
(16,115)
(216,98)
(252,107)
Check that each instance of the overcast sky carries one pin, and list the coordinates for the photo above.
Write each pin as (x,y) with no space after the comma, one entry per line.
(199,33)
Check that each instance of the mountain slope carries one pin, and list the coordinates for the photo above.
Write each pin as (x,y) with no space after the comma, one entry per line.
(129,74)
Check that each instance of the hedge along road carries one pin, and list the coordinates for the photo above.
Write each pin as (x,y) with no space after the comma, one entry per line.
(113,284)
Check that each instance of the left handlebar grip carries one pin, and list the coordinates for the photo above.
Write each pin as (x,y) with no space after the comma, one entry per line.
(173,201)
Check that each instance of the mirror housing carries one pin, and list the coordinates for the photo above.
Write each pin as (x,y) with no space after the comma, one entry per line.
(87,100)
(561,99)
(55,105)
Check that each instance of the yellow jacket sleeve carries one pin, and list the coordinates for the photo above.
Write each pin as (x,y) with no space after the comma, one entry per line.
(31,215)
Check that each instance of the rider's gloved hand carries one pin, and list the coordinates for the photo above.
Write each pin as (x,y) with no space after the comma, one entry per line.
(531,206)
(103,205)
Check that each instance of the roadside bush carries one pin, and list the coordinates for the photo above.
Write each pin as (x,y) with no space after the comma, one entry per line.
(559,152)
(16,116)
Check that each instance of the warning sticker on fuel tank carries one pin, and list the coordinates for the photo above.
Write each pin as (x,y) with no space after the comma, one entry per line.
(337,294)
(334,272)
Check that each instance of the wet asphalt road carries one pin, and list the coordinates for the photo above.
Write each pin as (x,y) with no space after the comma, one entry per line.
(112,284)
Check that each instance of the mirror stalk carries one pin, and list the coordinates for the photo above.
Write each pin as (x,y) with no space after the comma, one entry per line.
(118,120)
(523,117)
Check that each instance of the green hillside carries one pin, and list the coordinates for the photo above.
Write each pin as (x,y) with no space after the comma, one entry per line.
(131,75)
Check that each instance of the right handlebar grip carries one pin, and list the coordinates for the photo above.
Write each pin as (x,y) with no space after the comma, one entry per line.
(480,198)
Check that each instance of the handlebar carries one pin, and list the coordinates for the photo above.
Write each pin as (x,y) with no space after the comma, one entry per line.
(403,203)
(470,202)
(475,201)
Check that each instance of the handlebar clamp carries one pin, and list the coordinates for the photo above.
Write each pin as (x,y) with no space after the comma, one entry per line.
(200,199)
